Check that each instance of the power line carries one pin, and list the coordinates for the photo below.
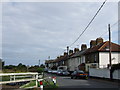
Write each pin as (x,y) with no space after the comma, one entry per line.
(89,23)
(100,35)
(111,27)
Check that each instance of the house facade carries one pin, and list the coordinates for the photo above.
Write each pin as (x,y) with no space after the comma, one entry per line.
(76,60)
(97,56)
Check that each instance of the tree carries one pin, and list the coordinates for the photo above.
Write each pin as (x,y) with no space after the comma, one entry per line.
(21,67)
(42,66)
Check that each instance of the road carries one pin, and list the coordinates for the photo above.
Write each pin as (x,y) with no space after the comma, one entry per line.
(67,82)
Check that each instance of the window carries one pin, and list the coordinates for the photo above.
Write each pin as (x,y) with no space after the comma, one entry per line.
(63,62)
(95,58)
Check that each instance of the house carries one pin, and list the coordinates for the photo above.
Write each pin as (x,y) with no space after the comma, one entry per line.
(49,63)
(59,61)
(1,64)
(98,54)
(62,60)
(77,61)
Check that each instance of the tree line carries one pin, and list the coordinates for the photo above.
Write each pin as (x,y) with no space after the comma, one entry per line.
(22,68)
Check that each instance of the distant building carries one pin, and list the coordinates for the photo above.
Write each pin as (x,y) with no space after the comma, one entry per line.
(97,56)
(1,64)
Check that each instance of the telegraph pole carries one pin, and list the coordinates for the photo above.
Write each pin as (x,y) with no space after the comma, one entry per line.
(39,62)
(109,45)
(110,52)
(68,50)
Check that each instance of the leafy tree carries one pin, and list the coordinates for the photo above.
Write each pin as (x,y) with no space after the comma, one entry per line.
(42,66)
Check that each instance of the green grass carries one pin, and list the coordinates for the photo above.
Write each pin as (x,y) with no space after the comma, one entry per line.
(30,84)
(5,78)
(45,84)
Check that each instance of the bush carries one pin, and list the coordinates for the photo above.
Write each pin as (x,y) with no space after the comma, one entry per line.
(40,70)
(115,67)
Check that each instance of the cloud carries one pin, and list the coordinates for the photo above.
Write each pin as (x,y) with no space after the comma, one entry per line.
(33,31)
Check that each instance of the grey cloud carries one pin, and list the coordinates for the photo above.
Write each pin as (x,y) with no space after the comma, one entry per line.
(33,31)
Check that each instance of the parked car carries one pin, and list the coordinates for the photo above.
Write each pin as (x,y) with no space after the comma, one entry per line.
(59,72)
(79,74)
(65,73)
(49,71)
(54,71)
(45,70)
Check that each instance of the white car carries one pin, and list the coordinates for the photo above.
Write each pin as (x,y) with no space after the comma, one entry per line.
(54,71)
(49,71)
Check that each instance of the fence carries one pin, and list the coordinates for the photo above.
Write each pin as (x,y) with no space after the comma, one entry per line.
(103,73)
(20,77)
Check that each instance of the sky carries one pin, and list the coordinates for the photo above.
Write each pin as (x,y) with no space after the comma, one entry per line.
(33,31)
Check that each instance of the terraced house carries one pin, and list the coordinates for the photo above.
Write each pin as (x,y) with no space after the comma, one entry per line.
(97,56)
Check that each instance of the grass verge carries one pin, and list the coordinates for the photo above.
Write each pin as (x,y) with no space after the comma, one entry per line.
(46,84)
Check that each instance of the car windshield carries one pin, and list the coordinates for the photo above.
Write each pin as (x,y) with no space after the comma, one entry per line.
(80,71)
(60,70)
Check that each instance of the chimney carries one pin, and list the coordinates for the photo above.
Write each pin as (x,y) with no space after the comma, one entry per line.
(65,53)
(83,47)
(76,50)
(61,56)
(70,52)
(92,43)
(99,41)
(58,57)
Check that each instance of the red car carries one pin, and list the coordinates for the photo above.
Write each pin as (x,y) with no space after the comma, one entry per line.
(79,74)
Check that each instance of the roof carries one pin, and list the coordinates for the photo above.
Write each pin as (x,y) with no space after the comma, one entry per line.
(79,53)
(104,47)
(63,58)
(48,61)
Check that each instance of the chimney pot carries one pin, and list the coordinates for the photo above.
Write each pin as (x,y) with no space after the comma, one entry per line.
(65,53)
(99,40)
(70,52)
(76,50)
(92,43)
(83,47)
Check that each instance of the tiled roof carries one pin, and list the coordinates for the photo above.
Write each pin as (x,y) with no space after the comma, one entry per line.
(104,47)
(63,58)
(48,61)
(78,53)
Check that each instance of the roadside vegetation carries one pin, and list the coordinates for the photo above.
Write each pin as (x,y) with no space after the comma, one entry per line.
(46,84)
(20,68)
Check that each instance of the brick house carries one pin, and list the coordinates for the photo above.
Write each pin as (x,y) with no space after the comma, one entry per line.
(98,55)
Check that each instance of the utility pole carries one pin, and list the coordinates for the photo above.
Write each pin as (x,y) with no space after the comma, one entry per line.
(109,46)
(48,57)
(39,62)
(68,50)
(110,52)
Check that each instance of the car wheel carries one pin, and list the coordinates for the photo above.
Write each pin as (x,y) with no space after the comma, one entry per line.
(86,78)
(71,77)
(76,77)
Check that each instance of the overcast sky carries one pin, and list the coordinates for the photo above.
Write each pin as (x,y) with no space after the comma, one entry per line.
(36,30)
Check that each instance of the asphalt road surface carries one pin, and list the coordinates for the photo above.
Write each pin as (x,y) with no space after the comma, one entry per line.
(67,82)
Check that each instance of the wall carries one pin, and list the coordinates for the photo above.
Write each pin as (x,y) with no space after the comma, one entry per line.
(116,74)
(92,57)
(73,63)
(103,73)
(104,59)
